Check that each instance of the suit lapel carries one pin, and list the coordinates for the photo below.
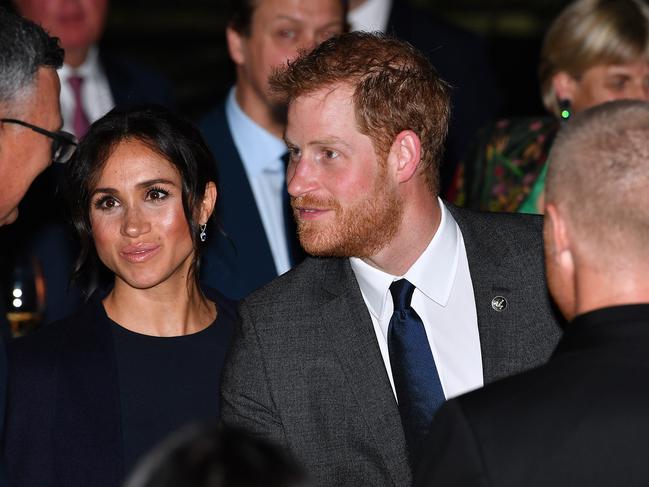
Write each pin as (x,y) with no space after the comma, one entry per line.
(488,257)
(119,80)
(354,342)
(88,430)
(241,261)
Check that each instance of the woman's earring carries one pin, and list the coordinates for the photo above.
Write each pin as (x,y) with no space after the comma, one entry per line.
(203,235)
(565,110)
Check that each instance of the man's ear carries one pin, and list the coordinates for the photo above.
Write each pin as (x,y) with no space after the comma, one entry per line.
(236,45)
(405,155)
(564,85)
(561,260)
(558,245)
(208,203)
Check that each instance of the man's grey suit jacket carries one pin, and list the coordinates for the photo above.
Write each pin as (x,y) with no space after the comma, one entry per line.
(306,372)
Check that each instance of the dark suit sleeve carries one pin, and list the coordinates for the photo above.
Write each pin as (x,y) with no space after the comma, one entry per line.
(133,84)
(246,399)
(451,456)
(3,395)
(30,409)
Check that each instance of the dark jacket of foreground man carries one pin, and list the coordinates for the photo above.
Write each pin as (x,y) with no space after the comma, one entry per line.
(580,420)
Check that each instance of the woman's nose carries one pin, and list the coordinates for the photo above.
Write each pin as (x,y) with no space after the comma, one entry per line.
(134,223)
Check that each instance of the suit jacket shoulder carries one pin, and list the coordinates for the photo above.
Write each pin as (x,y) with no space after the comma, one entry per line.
(519,326)
(580,419)
(134,84)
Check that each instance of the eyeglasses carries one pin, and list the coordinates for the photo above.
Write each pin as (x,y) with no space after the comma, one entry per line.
(63,143)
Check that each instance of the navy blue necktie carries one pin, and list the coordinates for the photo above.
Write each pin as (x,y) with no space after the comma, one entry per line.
(419,390)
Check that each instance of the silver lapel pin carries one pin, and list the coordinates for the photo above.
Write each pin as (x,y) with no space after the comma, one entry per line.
(499,303)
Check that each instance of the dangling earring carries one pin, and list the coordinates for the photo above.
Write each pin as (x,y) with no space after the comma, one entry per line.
(203,235)
(565,109)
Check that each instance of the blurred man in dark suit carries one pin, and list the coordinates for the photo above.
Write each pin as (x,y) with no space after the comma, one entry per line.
(245,135)
(582,419)
(30,117)
(93,80)
(460,58)
(30,123)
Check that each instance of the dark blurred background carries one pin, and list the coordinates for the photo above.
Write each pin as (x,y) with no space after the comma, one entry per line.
(185,41)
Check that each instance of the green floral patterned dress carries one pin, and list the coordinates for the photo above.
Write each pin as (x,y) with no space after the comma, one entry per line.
(505,169)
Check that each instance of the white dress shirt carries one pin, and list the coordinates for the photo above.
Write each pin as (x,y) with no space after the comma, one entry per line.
(261,153)
(95,91)
(443,299)
(370,16)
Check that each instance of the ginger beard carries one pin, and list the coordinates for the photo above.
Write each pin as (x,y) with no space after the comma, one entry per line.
(361,229)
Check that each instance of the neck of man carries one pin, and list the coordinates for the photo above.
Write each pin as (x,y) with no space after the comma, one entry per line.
(596,288)
(355,4)
(258,109)
(75,57)
(419,222)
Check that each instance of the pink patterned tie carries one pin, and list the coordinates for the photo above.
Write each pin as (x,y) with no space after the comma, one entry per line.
(80,121)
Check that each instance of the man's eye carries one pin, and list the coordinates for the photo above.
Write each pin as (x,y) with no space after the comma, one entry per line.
(618,83)
(287,34)
(330,154)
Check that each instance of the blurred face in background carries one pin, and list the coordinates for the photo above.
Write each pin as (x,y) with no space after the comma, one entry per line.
(278,30)
(77,23)
(607,82)
(24,153)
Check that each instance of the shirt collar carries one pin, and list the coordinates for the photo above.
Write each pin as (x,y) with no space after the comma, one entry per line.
(370,16)
(433,273)
(259,149)
(89,69)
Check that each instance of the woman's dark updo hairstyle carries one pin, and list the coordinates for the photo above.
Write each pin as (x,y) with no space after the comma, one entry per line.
(175,139)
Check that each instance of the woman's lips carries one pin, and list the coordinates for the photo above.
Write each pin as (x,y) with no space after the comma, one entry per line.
(139,253)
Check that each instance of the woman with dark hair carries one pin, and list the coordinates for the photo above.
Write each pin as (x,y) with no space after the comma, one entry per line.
(90,394)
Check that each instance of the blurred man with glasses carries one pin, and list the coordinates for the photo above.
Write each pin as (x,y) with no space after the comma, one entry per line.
(30,120)
(29,109)
(37,249)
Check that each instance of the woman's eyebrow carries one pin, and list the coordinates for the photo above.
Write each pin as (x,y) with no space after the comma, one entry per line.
(143,184)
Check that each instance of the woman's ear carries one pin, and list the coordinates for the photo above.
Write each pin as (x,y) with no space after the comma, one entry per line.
(208,203)
(564,85)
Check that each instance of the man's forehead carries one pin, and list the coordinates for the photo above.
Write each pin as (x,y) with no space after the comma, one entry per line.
(329,109)
(46,99)
(335,95)
(298,9)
